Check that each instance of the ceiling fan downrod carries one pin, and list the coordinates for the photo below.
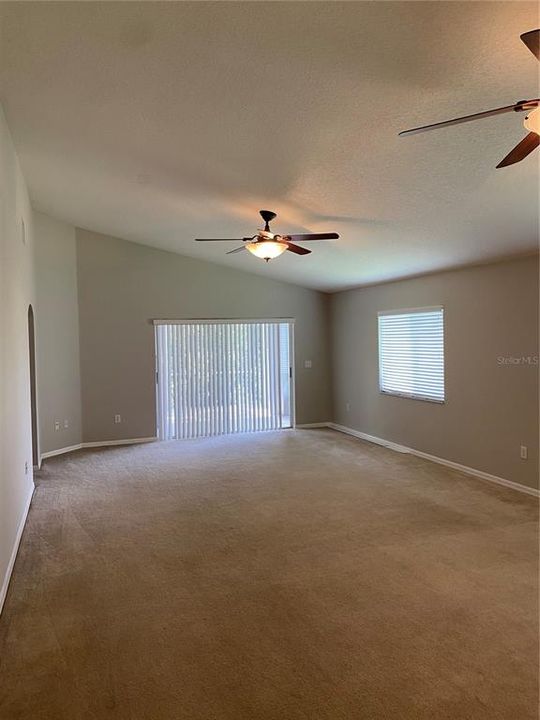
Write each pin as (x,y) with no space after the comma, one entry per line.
(267,216)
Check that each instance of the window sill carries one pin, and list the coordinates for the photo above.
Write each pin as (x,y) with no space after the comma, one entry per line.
(413,397)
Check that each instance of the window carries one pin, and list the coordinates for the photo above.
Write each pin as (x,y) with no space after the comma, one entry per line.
(411,353)
(215,377)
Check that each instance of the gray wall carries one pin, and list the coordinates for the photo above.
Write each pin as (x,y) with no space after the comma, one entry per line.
(57,334)
(16,294)
(122,286)
(491,408)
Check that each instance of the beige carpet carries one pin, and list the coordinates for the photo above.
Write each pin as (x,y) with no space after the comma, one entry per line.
(282,576)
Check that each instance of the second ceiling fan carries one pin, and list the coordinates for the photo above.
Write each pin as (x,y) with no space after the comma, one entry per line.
(532,120)
(268,245)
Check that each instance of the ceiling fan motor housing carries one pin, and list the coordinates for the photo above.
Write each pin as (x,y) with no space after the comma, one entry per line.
(267,235)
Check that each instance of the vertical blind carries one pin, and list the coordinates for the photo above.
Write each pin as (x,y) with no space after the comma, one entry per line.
(222,377)
(411,353)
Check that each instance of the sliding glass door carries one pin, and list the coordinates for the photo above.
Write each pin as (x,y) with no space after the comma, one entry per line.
(215,377)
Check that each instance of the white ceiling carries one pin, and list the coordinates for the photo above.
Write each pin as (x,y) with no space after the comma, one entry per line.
(162,122)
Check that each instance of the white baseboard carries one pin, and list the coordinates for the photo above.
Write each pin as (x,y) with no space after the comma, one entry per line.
(60,451)
(309,426)
(371,438)
(100,443)
(130,441)
(20,528)
(340,428)
(433,458)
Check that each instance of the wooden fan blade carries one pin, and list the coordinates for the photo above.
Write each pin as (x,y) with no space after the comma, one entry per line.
(466,118)
(297,249)
(221,239)
(311,236)
(231,252)
(522,149)
(532,41)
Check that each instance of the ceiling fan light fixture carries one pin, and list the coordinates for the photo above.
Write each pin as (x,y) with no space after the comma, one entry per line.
(266,245)
(266,249)
(532,121)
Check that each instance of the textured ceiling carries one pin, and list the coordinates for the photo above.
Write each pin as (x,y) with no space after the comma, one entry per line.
(161,122)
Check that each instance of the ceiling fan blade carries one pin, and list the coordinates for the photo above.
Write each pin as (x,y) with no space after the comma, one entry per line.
(522,149)
(246,239)
(231,252)
(524,105)
(311,236)
(532,41)
(297,249)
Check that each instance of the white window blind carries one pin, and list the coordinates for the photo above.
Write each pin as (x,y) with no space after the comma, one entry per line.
(222,377)
(411,353)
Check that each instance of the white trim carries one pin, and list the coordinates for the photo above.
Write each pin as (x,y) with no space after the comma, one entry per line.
(59,451)
(11,563)
(410,396)
(408,311)
(479,474)
(309,426)
(130,441)
(440,461)
(101,443)
(292,371)
(220,321)
(348,431)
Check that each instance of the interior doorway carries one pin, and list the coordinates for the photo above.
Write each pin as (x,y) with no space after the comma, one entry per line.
(33,401)
(216,377)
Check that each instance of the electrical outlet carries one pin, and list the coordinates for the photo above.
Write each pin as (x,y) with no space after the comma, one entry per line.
(66,423)
(523,452)
(117,419)
(347,406)
(57,425)
(307,364)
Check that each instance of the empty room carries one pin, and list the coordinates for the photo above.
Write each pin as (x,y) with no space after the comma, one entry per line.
(269,363)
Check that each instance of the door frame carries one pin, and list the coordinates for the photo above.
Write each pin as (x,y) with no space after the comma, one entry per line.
(33,385)
(194,321)
(292,375)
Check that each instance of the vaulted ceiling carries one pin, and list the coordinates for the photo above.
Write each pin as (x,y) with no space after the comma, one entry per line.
(162,122)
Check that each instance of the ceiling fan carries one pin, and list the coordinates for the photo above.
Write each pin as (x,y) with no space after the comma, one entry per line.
(531,122)
(267,245)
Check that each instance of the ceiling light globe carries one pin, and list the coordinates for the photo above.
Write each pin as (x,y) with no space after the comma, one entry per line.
(532,121)
(267,249)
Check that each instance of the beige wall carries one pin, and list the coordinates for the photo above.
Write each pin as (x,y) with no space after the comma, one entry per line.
(491,408)
(491,312)
(16,293)
(122,286)
(57,334)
